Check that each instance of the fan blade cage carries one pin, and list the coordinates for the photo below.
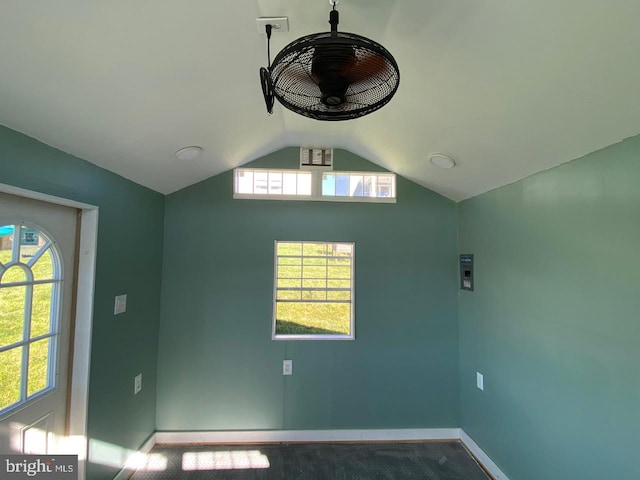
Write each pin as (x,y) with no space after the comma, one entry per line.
(337,76)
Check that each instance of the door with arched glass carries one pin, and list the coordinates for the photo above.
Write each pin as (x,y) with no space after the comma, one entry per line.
(37,243)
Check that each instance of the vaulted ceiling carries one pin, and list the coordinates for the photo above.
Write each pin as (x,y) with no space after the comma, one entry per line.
(506,88)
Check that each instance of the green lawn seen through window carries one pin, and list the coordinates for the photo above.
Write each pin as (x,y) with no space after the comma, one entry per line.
(12,304)
(313,290)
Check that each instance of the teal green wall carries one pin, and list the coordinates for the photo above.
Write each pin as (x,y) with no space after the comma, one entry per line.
(218,368)
(553,324)
(129,259)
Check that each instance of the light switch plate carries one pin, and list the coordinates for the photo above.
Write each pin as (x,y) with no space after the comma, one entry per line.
(120,305)
(287,367)
(479,380)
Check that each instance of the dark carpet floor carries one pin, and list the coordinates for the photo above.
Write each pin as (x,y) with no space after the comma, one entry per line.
(317,461)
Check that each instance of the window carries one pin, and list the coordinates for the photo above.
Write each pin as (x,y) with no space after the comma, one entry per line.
(359,184)
(271,183)
(268,184)
(30,277)
(313,291)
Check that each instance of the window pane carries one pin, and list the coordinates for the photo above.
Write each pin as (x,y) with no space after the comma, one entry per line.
(289,272)
(289,248)
(328,184)
(275,183)
(260,182)
(336,272)
(12,302)
(314,272)
(289,261)
(288,295)
(341,249)
(385,186)
(314,249)
(245,181)
(43,268)
(370,182)
(314,261)
(355,186)
(313,318)
(317,295)
(289,183)
(10,374)
(41,309)
(339,295)
(14,274)
(38,366)
(289,283)
(314,283)
(6,243)
(30,242)
(342,185)
(304,184)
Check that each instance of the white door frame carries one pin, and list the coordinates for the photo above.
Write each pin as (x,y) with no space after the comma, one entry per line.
(77,440)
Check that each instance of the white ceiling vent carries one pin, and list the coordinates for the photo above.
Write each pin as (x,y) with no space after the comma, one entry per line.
(316,158)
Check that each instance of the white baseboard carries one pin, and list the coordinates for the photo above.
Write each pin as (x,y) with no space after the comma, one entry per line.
(270,436)
(133,461)
(482,457)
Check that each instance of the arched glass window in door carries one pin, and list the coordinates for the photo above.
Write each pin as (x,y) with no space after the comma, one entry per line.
(30,286)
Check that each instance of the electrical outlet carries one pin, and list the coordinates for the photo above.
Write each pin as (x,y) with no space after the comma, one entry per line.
(137,384)
(278,24)
(120,305)
(287,367)
(479,381)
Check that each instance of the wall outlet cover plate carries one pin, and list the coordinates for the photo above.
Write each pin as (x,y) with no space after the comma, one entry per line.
(120,305)
(287,367)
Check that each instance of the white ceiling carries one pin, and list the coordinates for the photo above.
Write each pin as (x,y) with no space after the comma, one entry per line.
(507,88)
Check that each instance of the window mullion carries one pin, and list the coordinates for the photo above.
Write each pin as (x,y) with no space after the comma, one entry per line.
(15,248)
(38,254)
(301,268)
(26,334)
(316,183)
(326,273)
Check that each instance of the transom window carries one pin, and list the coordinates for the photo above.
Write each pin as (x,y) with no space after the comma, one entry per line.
(313,291)
(276,183)
(359,184)
(30,277)
(314,184)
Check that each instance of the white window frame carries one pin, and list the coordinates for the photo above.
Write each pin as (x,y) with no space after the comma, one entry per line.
(352,198)
(311,336)
(54,311)
(316,186)
(79,392)
(270,196)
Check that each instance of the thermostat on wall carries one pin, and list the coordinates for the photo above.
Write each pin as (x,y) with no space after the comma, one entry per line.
(466,271)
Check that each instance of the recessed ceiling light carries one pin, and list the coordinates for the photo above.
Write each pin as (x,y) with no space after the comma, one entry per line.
(189,153)
(441,160)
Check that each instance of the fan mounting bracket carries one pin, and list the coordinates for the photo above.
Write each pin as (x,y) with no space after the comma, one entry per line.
(278,24)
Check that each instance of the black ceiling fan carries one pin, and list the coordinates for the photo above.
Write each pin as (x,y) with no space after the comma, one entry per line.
(330,75)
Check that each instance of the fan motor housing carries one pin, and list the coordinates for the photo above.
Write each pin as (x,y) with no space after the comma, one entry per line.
(334,76)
